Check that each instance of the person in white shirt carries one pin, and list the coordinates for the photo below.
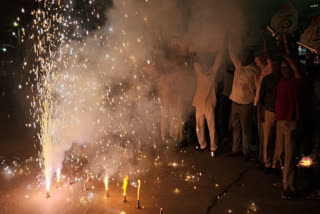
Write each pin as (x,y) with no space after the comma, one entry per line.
(205,101)
(242,96)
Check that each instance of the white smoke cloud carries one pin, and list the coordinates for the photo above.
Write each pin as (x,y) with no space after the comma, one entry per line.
(104,98)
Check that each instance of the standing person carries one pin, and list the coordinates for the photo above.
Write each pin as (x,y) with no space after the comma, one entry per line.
(242,96)
(263,71)
(205,101)
(266,111)
(265,66)
(163,83)
(289,109)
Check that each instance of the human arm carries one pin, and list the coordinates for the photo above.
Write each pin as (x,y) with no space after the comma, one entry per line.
(286,46)
(234,58)
(217,63)
(197,68)
(294,66)
(265,45)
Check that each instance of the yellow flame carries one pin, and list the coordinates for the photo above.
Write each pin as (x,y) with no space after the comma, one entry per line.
(106,181)
(125,184)
(306,162)
(138,191)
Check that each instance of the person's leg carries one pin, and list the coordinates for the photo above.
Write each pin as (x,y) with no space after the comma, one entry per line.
(290,149)
(246,127)
(278,149)
(235,121)
(200,128)
(210,117)
(261,143)
(268,130)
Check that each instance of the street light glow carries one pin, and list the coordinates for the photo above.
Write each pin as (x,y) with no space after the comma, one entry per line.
(15,24)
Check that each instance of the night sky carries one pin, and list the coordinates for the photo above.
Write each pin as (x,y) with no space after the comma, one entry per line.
(9,13)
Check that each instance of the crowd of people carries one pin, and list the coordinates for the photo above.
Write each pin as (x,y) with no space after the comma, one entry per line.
(268,101)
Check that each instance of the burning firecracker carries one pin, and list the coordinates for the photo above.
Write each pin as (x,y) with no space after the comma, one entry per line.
(106,183)
(125,184)
(305,162)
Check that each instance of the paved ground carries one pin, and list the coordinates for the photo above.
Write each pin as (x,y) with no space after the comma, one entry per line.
(185,181)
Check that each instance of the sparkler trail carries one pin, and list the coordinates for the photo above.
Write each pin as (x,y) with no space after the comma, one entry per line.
(53,29)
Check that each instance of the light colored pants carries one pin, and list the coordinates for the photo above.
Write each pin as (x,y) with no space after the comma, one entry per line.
(269,126)
(171,122)
(285,143)
(241,119)
(201,115)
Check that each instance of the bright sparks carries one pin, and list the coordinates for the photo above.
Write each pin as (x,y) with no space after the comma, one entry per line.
(58,175)
(125,184)
(305,162)
(138,190)
(106,182)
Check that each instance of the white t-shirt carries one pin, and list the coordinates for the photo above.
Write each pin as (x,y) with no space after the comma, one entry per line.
(244,84)
(205,95)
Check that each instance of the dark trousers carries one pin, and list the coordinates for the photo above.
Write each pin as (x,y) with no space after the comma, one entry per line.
(241,120)
(223,111)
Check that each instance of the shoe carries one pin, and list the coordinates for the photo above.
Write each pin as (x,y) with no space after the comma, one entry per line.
(285,194)
(267,170)
(215,152)
(276,183)
(202,150)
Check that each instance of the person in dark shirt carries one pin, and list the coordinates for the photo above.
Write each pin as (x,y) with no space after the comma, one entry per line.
(266,111)
(289,109)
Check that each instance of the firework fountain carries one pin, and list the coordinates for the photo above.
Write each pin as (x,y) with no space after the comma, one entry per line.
(94,106)
(71,99)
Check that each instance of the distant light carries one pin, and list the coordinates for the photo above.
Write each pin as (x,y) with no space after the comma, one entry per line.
(20,86)
(314,5)
(15,24)
(22,10)
(4,50)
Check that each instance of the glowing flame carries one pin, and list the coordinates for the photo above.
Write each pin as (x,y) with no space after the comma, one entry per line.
(46,139)
(138,191)
(48,186)
(58,175)
(106,181)
(125,184)
(306,162)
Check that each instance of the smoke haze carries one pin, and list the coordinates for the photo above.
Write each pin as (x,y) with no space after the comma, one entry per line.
(115,84)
